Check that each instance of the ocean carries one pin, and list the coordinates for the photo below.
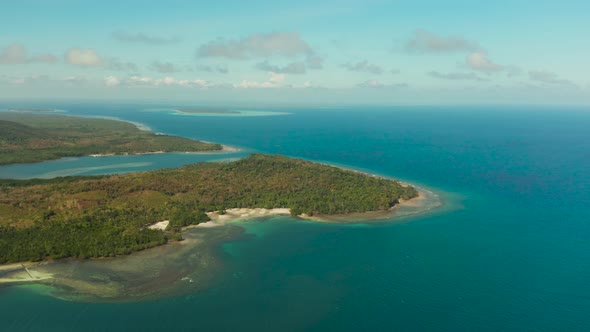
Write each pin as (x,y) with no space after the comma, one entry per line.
(508,251)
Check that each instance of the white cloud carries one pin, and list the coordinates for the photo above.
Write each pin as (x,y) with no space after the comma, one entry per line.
(287,44)
(17,54)
(83,57)
(480,61)
(274,81)
(305,85)
(427,42)
(112,81)
(13,54)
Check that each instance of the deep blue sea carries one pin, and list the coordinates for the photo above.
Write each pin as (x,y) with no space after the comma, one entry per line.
(509,252)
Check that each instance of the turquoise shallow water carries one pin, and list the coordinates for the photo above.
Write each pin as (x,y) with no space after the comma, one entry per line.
(512,255)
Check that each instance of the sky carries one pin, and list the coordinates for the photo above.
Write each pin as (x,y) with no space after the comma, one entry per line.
(292,52)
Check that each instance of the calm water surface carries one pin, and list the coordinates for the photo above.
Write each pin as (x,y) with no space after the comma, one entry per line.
(512,254)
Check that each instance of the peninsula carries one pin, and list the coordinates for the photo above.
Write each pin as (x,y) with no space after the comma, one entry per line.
(104,216)
(29,138)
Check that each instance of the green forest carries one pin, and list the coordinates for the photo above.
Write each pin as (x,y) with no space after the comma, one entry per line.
(102,216)
(29,138)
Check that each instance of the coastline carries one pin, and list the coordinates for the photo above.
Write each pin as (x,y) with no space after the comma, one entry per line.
(237,214)
(176,267)
(22,273)
(224,149)
(54,273)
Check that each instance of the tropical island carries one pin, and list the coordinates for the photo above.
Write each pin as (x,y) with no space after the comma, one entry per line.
(111,215)
(101,216)
(29,138)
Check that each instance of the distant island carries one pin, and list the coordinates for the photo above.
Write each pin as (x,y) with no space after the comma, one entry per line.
(33,110)
(192,111)
(29,138)
(101,216)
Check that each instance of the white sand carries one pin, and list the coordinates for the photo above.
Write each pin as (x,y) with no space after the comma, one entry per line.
(414,202)
(238,214)
(243,213)
(227,148)
(160,225)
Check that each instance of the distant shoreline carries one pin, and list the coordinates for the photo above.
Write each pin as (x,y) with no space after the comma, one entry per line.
(34,110)
(190,111)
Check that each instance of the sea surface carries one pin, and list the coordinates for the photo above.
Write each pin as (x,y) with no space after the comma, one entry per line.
(509,251)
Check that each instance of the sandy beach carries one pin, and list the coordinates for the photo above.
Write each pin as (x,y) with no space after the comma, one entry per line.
(242,213)
(21,272)
(236,214)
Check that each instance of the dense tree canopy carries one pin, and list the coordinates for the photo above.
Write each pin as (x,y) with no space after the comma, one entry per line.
(108,215)
(27,138)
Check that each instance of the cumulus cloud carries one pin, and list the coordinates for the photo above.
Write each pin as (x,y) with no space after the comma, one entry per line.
(480,61)
(84,57)
(456,76)
(428,42)
(291,68)
(213,69)
(140,37)
(374,84)
(274,81)
(364,66)
(13,54)
(287,44)
(164,67)
(17,54)
(125,66)
(548,78)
